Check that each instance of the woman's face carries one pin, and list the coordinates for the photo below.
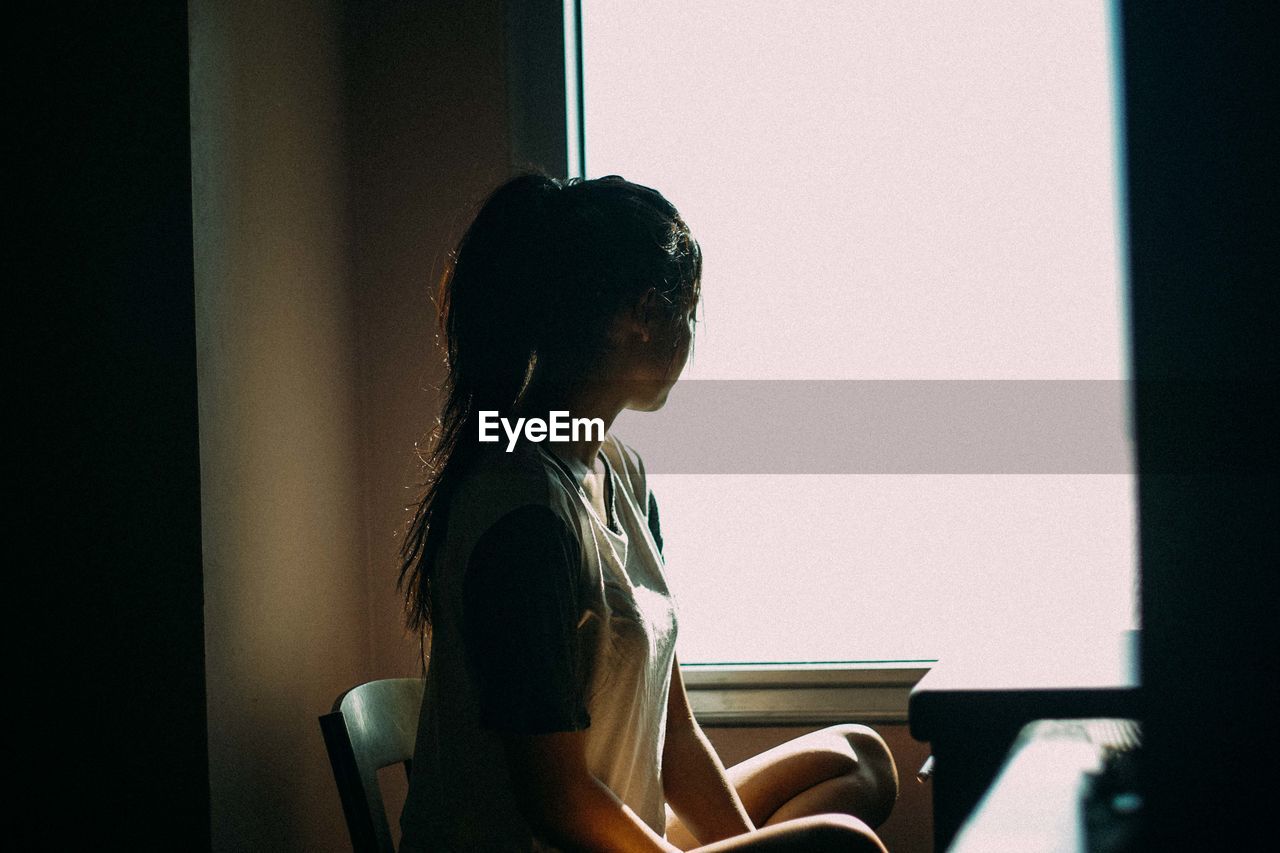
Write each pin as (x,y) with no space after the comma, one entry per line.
(657,363)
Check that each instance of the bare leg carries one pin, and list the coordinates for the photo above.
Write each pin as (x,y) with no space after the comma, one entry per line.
(843,770)
(837,833)
(868,791)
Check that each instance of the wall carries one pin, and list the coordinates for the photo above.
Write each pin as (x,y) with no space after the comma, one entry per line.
(335,147)
(285,595)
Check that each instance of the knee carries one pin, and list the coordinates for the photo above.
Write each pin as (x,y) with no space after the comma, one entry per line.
(875,766)
(870,750)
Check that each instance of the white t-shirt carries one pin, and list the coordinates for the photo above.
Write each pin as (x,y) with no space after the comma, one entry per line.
(545,617)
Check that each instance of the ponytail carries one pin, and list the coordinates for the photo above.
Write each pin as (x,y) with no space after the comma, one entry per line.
(542,268)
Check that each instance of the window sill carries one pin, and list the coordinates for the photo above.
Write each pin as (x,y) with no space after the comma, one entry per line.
(779,694)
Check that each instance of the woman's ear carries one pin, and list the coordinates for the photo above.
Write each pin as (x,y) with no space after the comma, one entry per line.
(645,314)
(635,322)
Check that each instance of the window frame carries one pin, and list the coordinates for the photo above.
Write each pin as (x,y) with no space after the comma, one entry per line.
(792,693)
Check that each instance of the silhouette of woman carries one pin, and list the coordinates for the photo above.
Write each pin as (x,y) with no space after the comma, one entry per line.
(554,716)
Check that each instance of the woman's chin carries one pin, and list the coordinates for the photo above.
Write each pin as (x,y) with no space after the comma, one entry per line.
(653,403)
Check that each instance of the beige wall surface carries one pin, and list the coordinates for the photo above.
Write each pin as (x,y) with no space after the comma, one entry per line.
(334,146)
(286,624)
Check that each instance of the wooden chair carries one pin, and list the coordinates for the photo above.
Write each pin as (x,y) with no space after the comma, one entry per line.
(372,726)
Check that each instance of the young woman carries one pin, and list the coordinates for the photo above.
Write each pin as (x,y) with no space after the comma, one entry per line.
(554,716)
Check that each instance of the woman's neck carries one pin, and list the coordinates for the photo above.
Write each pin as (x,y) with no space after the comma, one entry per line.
(580,400)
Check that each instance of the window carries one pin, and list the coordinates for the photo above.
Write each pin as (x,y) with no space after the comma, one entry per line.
(911,199)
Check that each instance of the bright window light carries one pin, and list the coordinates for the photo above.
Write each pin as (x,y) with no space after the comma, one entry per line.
(913,191)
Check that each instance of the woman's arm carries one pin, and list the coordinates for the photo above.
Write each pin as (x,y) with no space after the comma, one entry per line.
(693,777)
(521,605)
(567,806)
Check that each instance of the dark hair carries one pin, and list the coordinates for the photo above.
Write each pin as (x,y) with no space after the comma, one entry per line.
(537,277)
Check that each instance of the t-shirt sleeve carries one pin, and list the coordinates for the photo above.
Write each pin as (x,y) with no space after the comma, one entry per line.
(521,608)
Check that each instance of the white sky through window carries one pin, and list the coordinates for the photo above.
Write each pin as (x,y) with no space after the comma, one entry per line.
(882,190)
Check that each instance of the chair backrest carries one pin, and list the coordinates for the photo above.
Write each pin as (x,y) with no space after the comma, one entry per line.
(372,726)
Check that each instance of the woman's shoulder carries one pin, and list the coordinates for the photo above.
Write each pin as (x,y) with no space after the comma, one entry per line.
(497,483)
